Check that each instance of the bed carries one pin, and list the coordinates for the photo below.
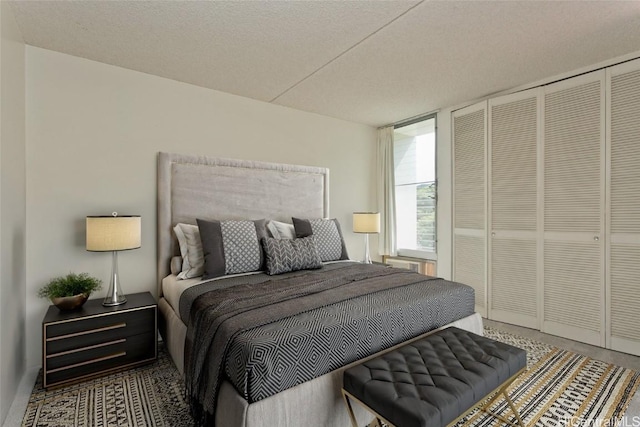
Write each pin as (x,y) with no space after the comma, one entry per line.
(191,187)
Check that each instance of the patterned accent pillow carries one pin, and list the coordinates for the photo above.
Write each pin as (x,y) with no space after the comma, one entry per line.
(284,255)
(242,250)
(328,237)
(231,247)
(188,237)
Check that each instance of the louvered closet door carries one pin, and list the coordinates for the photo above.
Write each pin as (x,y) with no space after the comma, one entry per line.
(469,201)
(623,282)
(573,247)
(513,263)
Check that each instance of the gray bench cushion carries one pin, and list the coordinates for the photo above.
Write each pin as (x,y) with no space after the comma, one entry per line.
(434,380)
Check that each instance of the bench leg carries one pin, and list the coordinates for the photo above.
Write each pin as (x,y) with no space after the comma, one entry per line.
(379,421)
(354,423)
(513,408)
(503,391)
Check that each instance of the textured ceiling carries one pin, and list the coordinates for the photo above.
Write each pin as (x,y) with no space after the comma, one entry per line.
(372,62)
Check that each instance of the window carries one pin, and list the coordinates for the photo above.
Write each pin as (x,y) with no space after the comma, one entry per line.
(415,174)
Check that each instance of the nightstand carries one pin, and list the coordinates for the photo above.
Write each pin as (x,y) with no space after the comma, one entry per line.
(94,340)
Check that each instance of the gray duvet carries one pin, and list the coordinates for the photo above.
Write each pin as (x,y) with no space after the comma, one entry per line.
(269,333)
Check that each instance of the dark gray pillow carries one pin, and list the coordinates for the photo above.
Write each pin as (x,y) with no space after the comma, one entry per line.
(284,255)
(231,247)
(328,237)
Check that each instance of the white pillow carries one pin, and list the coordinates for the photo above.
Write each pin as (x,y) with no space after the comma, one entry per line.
(191,250)
(281,230)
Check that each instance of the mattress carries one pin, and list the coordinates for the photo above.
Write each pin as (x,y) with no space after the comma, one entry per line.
(172,288)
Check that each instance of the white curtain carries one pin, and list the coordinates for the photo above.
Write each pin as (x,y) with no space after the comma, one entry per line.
(386,192)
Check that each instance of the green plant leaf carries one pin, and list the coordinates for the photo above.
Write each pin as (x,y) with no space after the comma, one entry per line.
(70,285)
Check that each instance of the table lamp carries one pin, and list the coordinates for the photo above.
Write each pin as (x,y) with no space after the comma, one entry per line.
(113,233)
(366,223)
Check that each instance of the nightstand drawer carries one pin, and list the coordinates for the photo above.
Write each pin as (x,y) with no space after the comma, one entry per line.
(89,361)
(88,325)
(73,334)
(82,354)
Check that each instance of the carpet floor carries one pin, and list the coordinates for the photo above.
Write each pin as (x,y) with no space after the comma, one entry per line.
(559,388)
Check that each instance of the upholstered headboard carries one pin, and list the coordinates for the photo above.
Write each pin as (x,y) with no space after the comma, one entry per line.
(191,187)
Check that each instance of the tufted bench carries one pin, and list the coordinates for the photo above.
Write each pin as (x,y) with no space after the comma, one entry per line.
(436,380)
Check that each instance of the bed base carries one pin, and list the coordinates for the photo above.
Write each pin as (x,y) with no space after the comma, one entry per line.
(315,402)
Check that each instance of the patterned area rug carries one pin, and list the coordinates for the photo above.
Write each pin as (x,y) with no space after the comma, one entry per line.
(151,395)
(560,388)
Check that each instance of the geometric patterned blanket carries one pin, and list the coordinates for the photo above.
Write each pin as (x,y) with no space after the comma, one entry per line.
(270,333)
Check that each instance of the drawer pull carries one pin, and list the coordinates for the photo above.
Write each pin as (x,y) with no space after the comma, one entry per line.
(91,331)
(99,359)
(75,350)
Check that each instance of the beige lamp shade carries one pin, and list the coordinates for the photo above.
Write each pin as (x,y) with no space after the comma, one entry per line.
(366,222)
(113,233)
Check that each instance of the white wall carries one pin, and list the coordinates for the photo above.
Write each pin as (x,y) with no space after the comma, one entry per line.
(12,208)
(94,131)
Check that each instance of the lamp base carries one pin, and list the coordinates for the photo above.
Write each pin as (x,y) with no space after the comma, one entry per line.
(108,302)
(115,296)
(367,256)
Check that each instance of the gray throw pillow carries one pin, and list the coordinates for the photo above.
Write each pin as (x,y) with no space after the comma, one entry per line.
(328,237)
(284,255)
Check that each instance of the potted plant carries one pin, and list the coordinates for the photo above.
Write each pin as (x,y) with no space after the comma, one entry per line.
(71,291)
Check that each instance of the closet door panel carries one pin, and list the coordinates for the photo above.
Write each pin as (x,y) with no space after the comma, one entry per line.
(469,171)
(513,281)
(572,159)
(571,272)
(573,247)
(514,139)
(513,142)
(624,271)
(623,281)
(469,128)
(470,256)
